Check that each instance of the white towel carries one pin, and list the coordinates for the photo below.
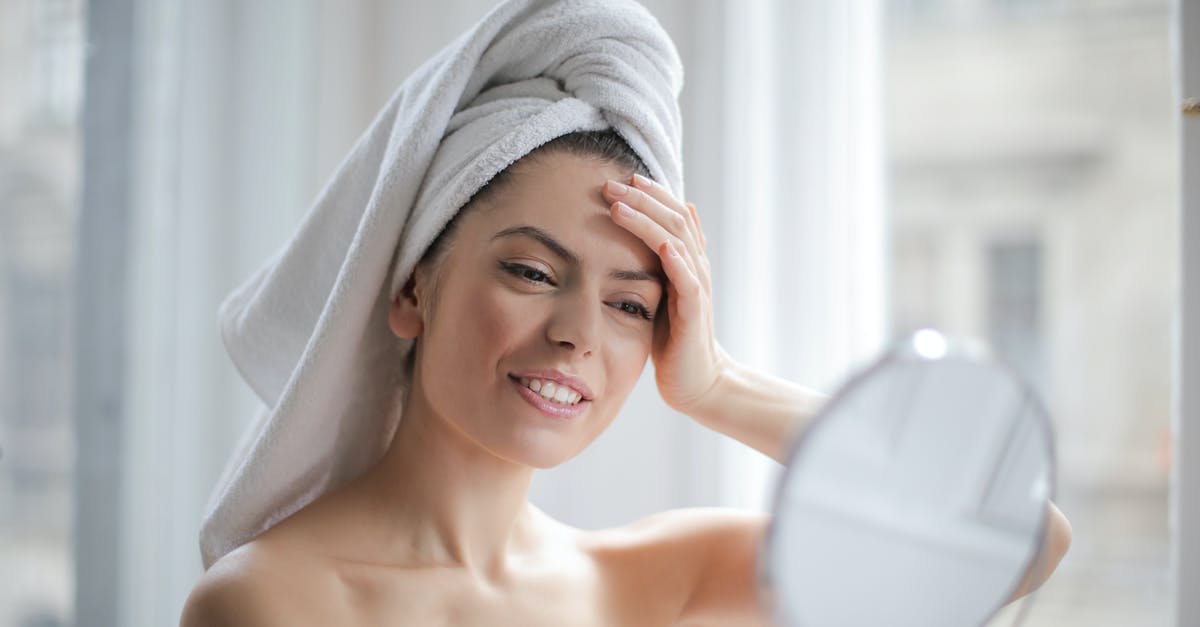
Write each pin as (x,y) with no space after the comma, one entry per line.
(308,330)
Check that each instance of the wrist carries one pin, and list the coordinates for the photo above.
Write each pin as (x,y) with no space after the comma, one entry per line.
(762,411)
(728,385)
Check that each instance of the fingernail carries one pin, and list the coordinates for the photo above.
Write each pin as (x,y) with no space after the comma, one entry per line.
(641,181)
(617,189)
(624,209)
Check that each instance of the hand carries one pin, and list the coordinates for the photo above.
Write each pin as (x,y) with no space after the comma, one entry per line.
(688,362)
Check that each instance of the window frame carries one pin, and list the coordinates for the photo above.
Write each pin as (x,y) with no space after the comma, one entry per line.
(99,292)
(1185,469)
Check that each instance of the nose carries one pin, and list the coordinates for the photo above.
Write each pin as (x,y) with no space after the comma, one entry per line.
(575,324)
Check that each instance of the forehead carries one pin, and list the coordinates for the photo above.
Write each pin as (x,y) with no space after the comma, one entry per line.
(561,193)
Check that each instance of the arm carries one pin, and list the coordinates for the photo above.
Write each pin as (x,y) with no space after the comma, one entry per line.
(759,410)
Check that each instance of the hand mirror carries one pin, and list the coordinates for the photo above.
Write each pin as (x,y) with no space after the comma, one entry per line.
(915,498)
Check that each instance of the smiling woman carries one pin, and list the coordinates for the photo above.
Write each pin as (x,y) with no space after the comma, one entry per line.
(530,279)
(532,322)
(473,297)
(533,317)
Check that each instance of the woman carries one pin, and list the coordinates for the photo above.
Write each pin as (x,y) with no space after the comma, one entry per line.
(540,282)
(531,316)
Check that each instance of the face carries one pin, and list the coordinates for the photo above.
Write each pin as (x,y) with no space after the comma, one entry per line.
(539,278)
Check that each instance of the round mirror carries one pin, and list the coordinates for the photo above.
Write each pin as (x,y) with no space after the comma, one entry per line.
(917,497)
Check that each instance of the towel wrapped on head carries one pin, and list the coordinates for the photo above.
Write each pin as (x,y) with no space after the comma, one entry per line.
(308,330)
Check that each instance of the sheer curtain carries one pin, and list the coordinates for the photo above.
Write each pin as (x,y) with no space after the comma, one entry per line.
(243,109)
(802,230)
(219,176)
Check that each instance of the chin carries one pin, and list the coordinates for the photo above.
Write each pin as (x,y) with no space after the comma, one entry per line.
(545,465)
(544,460)
(543,457)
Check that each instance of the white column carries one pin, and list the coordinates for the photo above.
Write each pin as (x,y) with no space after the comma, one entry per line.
(801,282)
(223,98)
(1185,475)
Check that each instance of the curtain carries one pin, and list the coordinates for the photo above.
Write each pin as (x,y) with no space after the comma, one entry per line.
(802,226)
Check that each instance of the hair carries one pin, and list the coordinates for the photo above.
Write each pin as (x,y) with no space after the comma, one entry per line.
(606,146)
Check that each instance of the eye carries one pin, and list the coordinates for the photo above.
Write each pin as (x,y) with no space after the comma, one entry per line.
(636,309)
(533,275)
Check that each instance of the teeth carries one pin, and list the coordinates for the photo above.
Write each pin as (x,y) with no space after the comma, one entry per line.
(552,391)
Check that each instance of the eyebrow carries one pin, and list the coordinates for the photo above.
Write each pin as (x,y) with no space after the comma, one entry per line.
(562,251)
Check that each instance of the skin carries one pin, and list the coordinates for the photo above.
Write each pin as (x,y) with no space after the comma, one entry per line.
(441,531)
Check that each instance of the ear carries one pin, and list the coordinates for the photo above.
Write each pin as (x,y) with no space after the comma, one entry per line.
(404,316)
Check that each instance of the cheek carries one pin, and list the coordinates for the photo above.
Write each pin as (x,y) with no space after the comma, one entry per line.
(625,357)
(490,322)
(501,322)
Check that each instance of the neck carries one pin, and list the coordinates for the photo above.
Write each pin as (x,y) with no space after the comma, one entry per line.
(447,501)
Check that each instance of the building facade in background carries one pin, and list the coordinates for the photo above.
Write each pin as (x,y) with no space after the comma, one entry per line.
(41,66)
(1033,173)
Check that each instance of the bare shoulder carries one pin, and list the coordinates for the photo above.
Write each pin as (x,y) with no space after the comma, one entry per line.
(255,585)
(691,533)
(698,523)
(703,560)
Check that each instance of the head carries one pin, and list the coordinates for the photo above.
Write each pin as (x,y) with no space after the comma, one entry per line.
(533,274)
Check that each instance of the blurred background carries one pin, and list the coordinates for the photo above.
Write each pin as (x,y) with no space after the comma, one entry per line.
(1006,169)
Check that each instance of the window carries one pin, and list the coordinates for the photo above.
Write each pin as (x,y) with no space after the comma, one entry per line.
(40,71)
(1014,308)
(1033,186)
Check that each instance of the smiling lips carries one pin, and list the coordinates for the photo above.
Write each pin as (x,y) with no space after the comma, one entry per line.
(555,393)
(550,406)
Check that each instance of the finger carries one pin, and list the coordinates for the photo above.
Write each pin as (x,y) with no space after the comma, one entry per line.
(664,196)
(699,265)
(687,288)
(674,221)
(648,230)
(702,266)
(670,219)
(699,228)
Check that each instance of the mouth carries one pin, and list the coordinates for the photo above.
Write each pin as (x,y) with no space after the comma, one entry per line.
(548,406)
